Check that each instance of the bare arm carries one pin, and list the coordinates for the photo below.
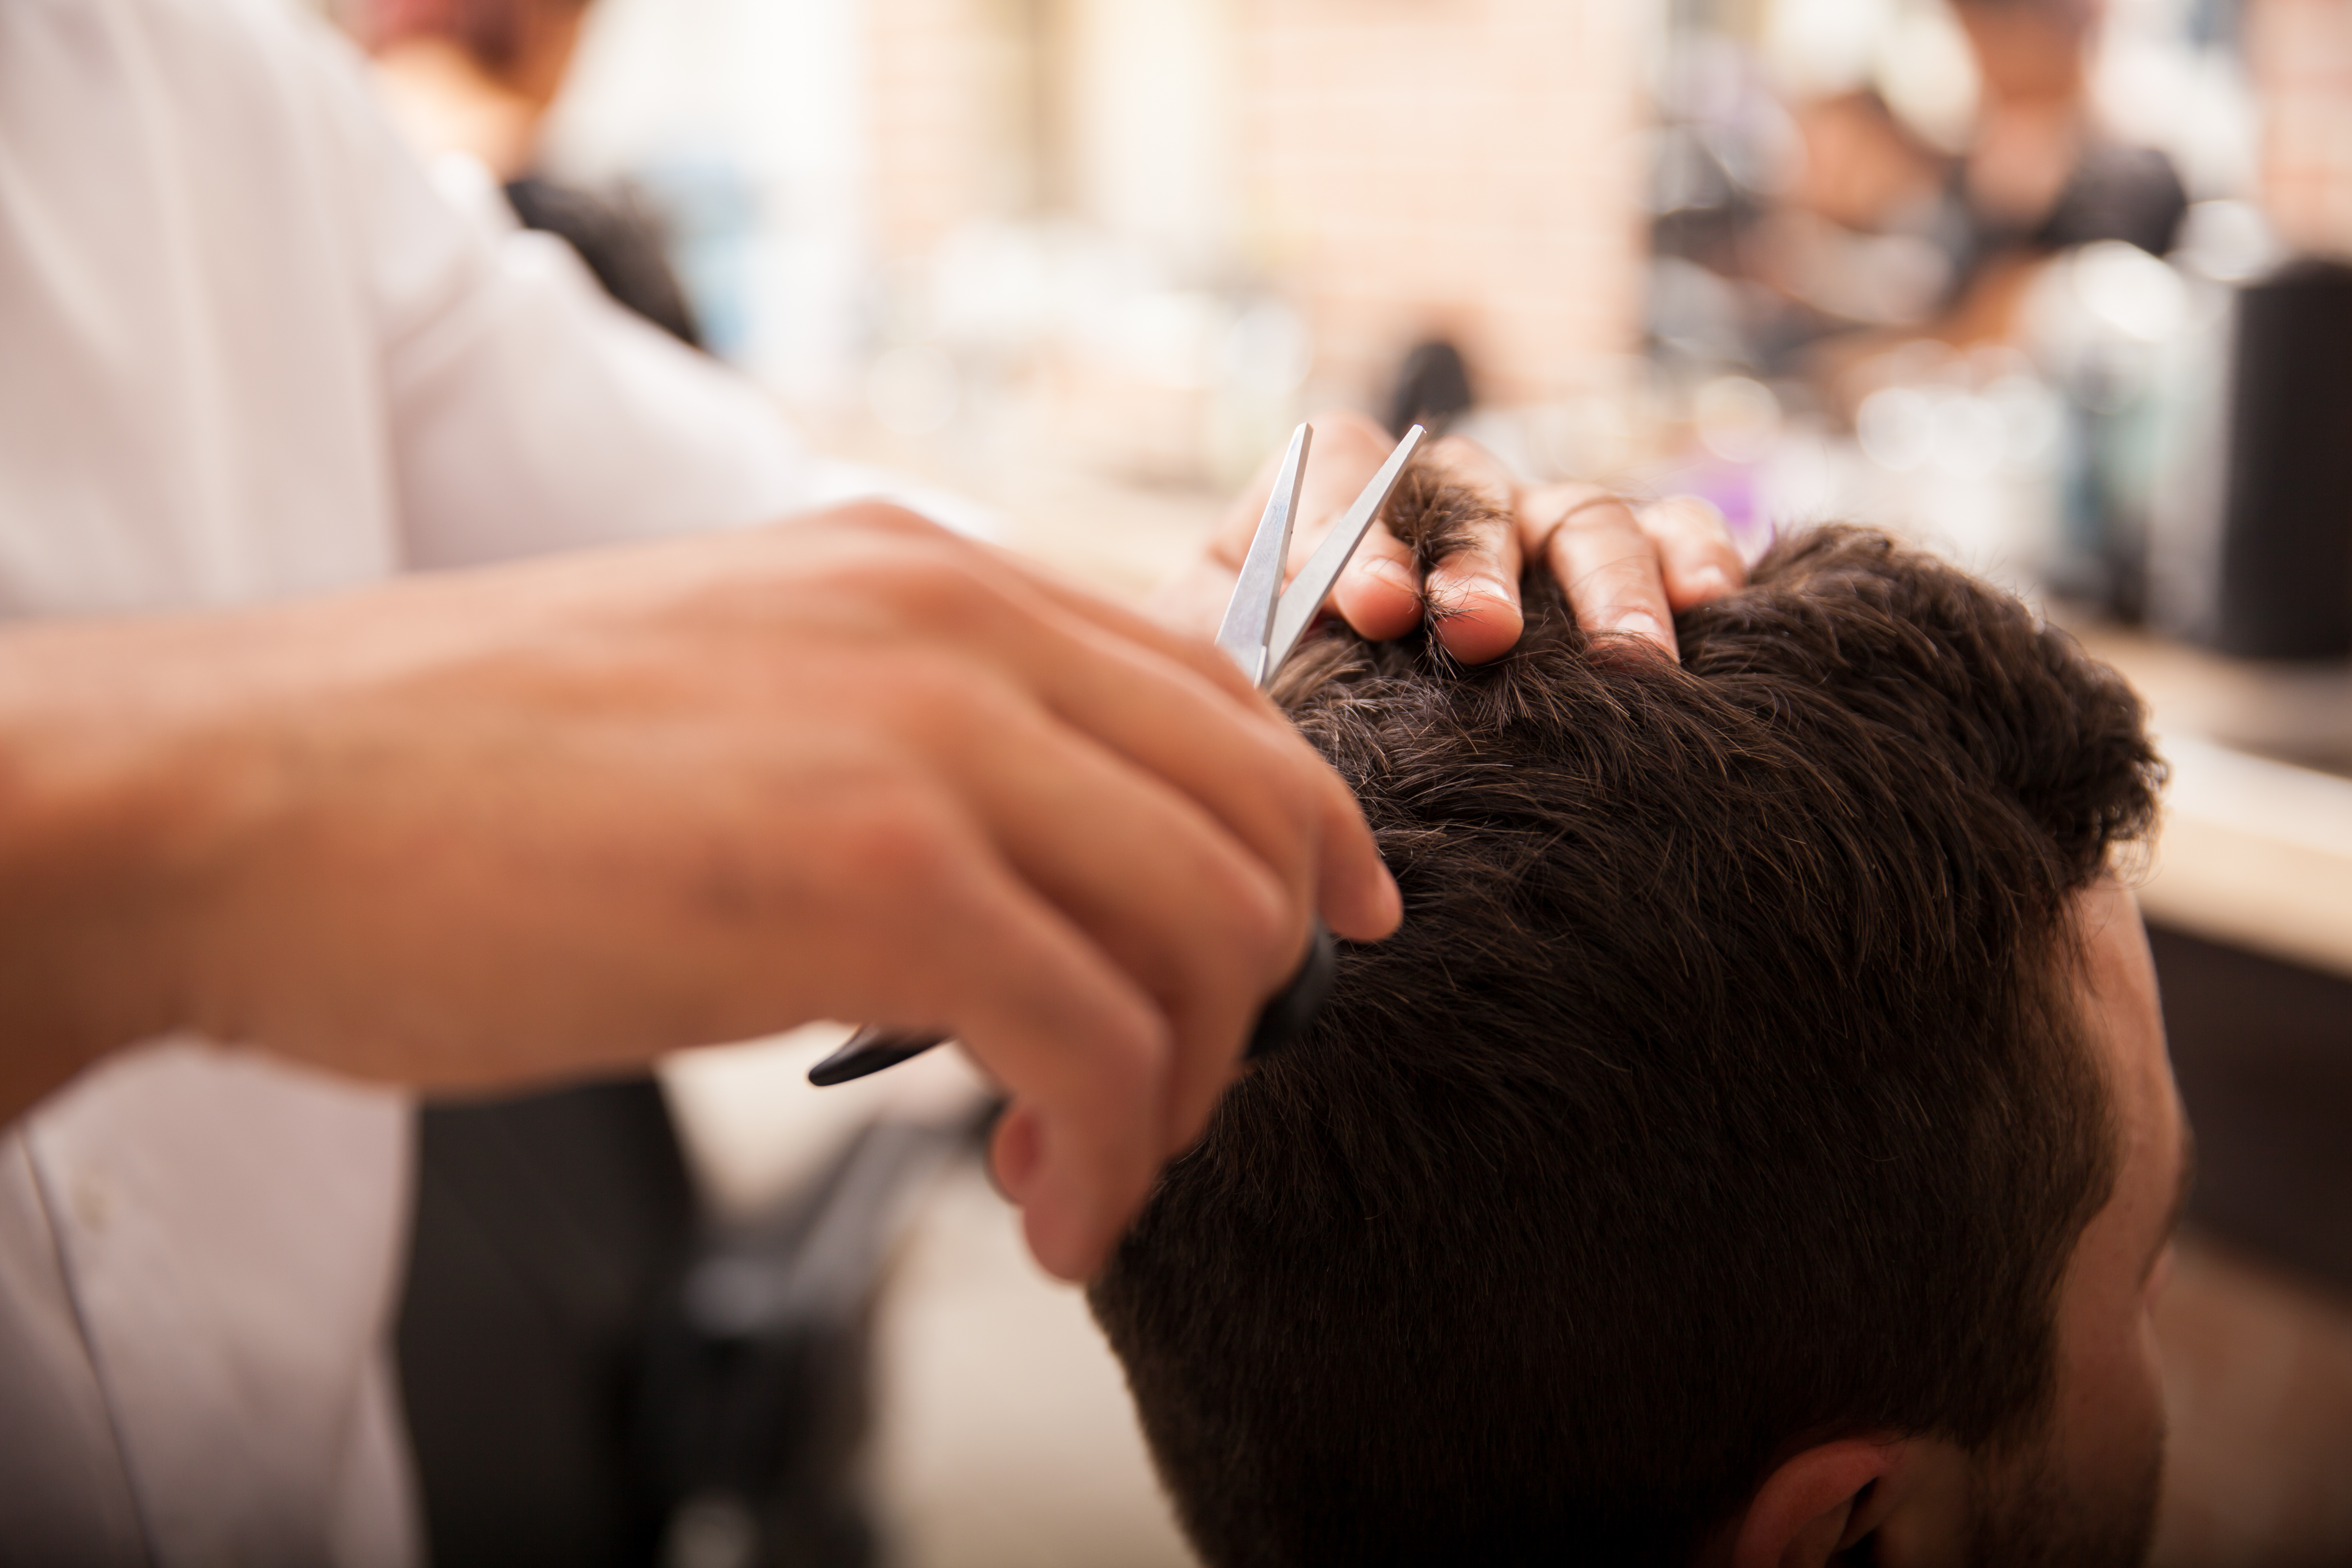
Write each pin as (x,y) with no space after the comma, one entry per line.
(101,811)
(490,827)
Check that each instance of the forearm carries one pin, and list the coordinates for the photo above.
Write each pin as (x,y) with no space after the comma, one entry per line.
(108,803)
(482,829)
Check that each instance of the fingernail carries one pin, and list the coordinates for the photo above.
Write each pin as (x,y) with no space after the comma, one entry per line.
(1710,582)
(1382,908)
(1492,588)
(1642,624)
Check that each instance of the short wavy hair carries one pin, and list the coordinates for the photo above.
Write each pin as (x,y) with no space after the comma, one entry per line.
(1724,1090)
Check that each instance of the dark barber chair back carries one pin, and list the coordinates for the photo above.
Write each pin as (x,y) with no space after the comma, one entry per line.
(592,1378)
(547,1229)
(757,1389)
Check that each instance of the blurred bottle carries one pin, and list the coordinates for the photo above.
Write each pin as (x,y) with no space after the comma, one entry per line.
(2251,551)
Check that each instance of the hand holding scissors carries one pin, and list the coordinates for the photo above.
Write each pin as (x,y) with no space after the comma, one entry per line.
(1262,627)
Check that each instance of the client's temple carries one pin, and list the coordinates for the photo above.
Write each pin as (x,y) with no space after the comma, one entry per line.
(1726,1090)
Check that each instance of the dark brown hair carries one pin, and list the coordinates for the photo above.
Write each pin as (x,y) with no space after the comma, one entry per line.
(1723,1092)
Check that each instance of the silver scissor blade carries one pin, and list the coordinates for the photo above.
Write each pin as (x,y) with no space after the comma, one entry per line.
(1313,581)
(1249,614)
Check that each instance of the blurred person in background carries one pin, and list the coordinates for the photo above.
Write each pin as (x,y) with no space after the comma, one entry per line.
(1870,235)
(497,824)
(2039,174)
(475,79)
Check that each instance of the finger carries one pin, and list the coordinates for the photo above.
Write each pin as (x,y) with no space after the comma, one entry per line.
(1263,782)
(1229,542)
(1695,555)
(973,950)
(1347,450)
(1175,706)
(1475,588)
(1603,561)
(934,573)
(1379,592)
(1182,908)
(1196,651)
(1193,601)
(1081,1049)
(1164,700)
(1015,1150)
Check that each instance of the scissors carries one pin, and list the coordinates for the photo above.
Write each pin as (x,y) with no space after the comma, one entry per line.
(1262,627)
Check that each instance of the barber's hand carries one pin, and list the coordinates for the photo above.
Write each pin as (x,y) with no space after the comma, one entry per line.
(484,828)
(1623,569)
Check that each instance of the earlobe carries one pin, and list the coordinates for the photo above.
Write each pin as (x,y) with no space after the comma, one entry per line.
(1816,1504)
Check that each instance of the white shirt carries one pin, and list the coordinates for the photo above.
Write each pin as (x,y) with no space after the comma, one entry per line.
(247,351)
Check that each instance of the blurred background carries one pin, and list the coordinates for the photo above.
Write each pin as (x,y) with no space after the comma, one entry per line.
(2053,285)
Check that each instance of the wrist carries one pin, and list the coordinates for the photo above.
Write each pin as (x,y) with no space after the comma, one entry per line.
(115,806)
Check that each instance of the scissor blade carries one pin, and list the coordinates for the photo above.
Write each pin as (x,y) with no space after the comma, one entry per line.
(1314,582)
(1249,614)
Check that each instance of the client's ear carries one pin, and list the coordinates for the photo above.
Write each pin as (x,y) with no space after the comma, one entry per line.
(1911,1491)
(1817,1504)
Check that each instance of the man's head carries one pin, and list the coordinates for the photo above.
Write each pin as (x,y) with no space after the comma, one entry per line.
(1757,1137)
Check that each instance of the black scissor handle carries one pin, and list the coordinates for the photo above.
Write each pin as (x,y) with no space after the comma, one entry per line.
(1289,1010)
(1285,1016)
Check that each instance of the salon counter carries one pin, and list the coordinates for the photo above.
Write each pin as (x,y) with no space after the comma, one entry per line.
(2254,852)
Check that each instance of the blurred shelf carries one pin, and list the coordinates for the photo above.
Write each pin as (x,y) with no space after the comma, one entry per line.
(2255,849)
(2294,712)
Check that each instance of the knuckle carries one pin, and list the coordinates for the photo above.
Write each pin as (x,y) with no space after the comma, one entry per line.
(1617,576)
(893,850)
(934,589)
(1632,586)
(1298,781)
(1688,517)
(1263,931)
(885,517)
(1125,1067)
(927,699)
(1254,918)
(1595,536)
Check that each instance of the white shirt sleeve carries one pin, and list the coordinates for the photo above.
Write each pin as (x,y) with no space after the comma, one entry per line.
(529,411)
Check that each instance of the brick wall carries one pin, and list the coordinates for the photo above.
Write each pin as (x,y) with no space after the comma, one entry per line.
(945,95)
(2300,55)
(1461,166)
(1402,166)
